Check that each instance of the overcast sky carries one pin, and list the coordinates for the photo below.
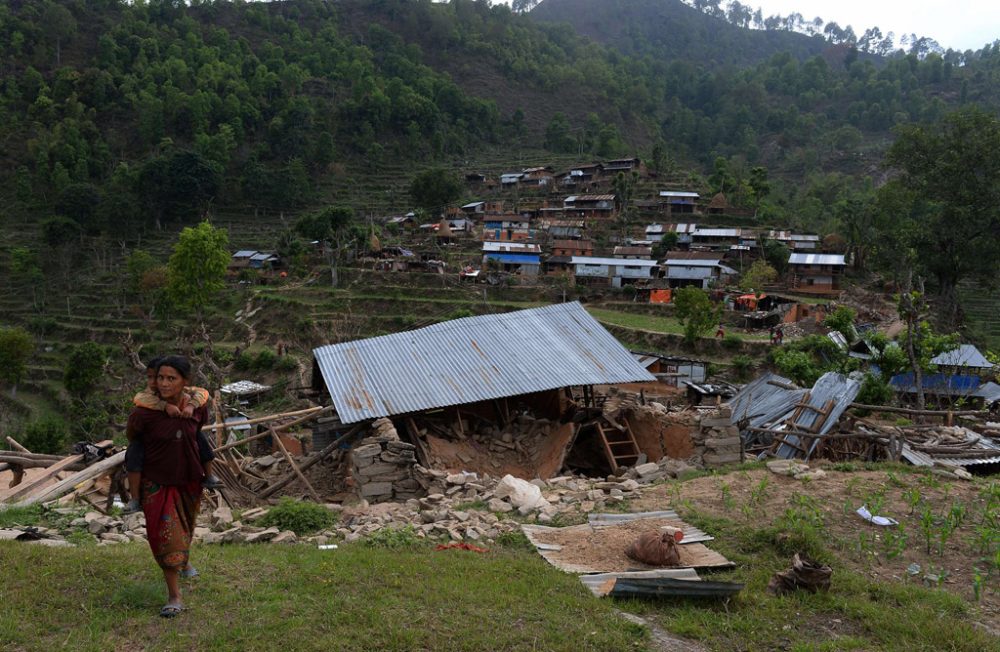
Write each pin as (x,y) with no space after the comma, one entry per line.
(956,24)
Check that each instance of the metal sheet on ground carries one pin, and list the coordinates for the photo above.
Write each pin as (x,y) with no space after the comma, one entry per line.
(601,548)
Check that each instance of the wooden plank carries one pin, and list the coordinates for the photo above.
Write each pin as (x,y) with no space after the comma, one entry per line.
(65,486)
(46,475)
(313,411)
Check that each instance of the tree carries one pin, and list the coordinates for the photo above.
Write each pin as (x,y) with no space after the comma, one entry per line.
(759,275)
(27,273)
(557,135)
(84,369)
(433,189)
(179,185)
(197,268)
(775,253)
(842,321)
(136,265)
(60,25)
(953,169)
(16,347)
(696,313)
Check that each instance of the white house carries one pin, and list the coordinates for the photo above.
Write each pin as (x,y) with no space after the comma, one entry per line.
(682,272)
(613,271)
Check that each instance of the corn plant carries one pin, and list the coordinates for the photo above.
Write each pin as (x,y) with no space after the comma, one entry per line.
(912,498)
(727,495)
(927,526)
(977,584)
(895,542)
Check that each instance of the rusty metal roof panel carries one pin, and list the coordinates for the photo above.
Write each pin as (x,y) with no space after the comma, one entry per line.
(473,359)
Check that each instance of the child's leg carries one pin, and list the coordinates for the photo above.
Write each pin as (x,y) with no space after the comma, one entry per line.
(207,457)
(135,455)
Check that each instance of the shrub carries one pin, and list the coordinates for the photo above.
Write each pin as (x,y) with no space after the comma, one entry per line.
(394,537)
(732,342)
(461,313)
(874,391)
(286,363)
(265,360)
(47,435)
(299,517)
(245,361)
(743,365)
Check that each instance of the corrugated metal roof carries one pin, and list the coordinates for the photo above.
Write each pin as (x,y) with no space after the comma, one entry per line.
(693,262)
(473,359)
(576,198)
(678,193)
(717,233)
(244,253)
(766,400)
(966,355)
(816,259)
(830,386)
(512,247)
(630,262)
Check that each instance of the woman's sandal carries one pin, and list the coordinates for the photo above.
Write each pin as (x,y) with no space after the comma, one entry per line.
(188,573)
(170,610)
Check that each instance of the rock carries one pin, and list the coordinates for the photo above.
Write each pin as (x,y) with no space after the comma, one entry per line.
(266,462)
(232,535)
(521,494)
(715,422)
(544,518)
(222,517)
(366,452)
(539,483)
(456,478)
(498,505)
(647,469)
(200,532)
(262,536)
(376,489)
(212,538)
(285,537)
(114,538)
(587,506)
(629,485)
(93,516)
(96,527)
(814,474)
(722,458)
(787,467)
(727,442)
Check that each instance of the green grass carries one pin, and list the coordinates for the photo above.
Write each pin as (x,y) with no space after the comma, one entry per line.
(652,323)
(856,614)
(301,598)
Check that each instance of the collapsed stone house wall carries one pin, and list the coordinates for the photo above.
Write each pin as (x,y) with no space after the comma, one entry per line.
(382,466)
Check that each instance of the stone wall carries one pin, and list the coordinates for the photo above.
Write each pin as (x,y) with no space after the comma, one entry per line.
(716,440)
(383,466)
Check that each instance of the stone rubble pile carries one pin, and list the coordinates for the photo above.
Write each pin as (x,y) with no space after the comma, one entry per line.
(457,506)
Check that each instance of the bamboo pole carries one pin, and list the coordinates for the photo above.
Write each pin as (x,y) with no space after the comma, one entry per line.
(273,417)
(13,442)
(284,426)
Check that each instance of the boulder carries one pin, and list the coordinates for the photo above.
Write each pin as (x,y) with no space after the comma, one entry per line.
(522,494)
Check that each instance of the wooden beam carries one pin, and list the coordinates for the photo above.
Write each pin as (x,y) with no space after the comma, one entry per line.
(44,477)
(920,413)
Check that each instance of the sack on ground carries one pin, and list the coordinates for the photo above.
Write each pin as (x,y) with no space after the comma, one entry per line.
(655,548)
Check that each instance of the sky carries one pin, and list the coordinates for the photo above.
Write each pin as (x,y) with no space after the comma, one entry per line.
(957,24)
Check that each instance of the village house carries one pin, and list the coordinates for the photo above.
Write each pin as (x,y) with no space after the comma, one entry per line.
(521,258)
(696,268)
(253,259)
(655,232)
(815,273)
(795,241)
(406,222)
(510,179)
(614,272)
(475,179)
(506,228)
(626,165)
(632,251)
(581,175)
(679,201)
(572,248)
(962,373)
(723,239)
(539,177)
(563,229)
(600,207)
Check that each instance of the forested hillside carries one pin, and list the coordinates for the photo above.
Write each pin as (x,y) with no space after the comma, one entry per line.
(118,116)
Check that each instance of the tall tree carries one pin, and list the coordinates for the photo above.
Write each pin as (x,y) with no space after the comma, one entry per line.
(954,169)
(16,347)
(433,189)
(197,268)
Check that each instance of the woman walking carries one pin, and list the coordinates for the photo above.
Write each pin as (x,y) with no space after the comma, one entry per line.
(171,476)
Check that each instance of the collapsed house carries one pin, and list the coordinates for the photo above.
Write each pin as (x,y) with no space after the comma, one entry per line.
(494,394)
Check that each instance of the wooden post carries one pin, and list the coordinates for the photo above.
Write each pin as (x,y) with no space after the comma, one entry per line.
(65,486)
(295,467)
